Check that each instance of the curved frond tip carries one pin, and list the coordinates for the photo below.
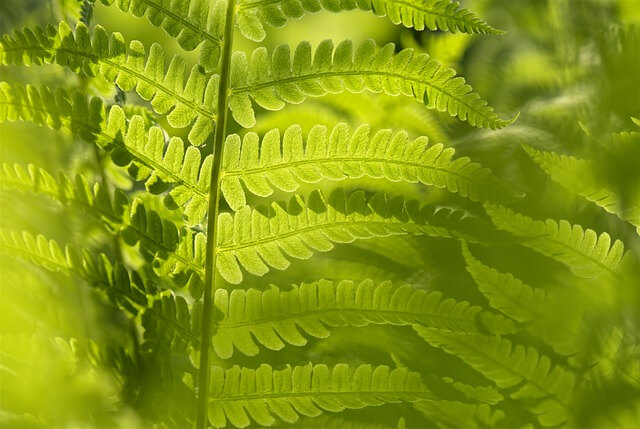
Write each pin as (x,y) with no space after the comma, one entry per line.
(273,80)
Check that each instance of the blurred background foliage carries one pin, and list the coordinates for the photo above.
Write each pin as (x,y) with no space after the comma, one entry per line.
(570,67)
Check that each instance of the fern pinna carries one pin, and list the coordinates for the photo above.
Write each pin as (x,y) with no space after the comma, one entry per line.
(271,246)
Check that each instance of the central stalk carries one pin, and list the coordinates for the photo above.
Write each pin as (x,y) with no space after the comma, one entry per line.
(214,200)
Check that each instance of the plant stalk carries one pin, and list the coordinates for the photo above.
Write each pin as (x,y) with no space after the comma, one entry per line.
(214,203)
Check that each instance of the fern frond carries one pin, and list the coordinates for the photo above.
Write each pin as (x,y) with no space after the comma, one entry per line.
(577,176)
(192,23)
(169,325)
(174,252)
(583,251)
(485,394)
(92,199)
(539,312)
(166,320)
(329,421)
(124,288)
(273,317)
(273,81)
(267,237)
(508,366)
(445,15)
(130,143)
(286,163)
(459,415)
(191,104)
(241,396)
(505,292)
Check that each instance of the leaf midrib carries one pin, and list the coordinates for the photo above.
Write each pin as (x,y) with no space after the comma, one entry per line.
(332,160)
(330,224)
(269,395)
(320,311)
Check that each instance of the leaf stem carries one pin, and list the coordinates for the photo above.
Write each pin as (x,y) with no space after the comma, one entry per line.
(214,200)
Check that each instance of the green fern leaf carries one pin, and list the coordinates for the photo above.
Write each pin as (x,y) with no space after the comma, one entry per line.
(505,292)
(445,15)
(554,322)
(174,253)
(583,251)
(272,82)
(92,199)
(241,395)
(191,104)
(577,176)
(193,23)
(509,366)
(167,320)
(178,253)
(127,139)
(272,317)
(169,325)
(124,288)
(329,421)
(287,163)
(458,415)
(485,394)
(258,239)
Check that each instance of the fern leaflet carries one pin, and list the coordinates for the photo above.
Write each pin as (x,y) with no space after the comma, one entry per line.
(162,165)
(273,81)
(285,163)
(193,23)
(273,317)
(242,395)
(191,104)
(509,366)
(577,176)
(445,15)
(583,251)
(268,237)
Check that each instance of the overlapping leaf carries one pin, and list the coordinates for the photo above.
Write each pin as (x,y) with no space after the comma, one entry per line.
(268,237)
(532,307)
(193,23)
(162,165)
(123,287)
(577,175)
(275,317)
(273,80)
(191,104)
(445,15)
(508,366)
